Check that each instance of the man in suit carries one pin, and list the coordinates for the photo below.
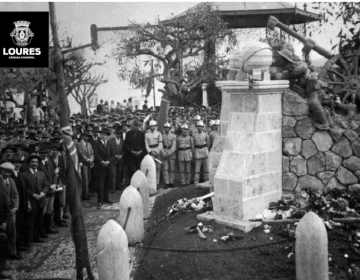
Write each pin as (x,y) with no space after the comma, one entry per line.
(99,107)
(102,168)
(124,171)
(135,148)
(4,221)
(86,157)
(94,177)
(17,161)
(56,159)
(7,184)
(8,152)
(36,186)
(115,152)
(50,173)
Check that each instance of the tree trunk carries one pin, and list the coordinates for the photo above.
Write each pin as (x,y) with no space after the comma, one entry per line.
(64,117)
(170,88)
(83,107)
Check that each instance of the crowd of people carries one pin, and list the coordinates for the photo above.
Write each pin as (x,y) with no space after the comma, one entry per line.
(110,146)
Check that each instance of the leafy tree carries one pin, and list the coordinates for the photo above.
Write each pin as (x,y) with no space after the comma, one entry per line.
(34,81)
(76,74)
(180,54)
(346,14)
(87,90)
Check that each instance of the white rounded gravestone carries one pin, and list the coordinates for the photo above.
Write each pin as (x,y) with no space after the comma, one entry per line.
(148,167)
(131,214)
(113,252)
(311,249)
(139,182)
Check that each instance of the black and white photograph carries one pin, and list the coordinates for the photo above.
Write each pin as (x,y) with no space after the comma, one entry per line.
(179,140)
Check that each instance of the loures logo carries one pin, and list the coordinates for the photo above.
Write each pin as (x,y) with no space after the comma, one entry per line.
(24,39)
(22,34)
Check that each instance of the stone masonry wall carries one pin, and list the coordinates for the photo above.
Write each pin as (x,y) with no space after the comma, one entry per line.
(317,159)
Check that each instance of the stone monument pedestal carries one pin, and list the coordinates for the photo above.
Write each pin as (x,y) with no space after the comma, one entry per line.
(245,163)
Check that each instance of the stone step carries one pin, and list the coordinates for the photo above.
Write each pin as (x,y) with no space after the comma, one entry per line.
(204,185)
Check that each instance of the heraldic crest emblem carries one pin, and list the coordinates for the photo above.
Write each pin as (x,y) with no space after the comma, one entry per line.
(22,34)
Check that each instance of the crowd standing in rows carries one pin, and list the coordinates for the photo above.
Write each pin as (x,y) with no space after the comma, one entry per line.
(111,144)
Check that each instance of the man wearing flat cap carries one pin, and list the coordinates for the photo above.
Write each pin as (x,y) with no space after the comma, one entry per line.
(8,184)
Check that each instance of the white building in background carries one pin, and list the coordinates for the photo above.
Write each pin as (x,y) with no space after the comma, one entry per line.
(114,89)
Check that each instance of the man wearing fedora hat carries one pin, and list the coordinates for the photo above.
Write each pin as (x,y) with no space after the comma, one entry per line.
(86,157)
(18,161)
(115,151)
(7,153)
(103,169)
(36,186)
(94,176)
(8,184)
(134,148)
(99,107)
(57,161)
(50,173)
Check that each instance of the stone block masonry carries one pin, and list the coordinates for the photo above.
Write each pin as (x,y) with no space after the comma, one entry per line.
(245,161)
(312,158)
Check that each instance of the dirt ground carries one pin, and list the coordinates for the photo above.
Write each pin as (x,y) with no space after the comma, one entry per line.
(270,262)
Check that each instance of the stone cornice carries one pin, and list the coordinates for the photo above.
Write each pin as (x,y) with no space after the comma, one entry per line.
(258,87)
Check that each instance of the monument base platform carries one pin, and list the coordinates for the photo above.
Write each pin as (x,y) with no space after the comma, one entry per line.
(204,185)
(244,226)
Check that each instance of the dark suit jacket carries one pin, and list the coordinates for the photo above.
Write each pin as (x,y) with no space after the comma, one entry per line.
(114,149)
(85,152)
(49,171)
(134,141)
(100,153)
(4,208)
(35,186)
(61,176)
(99,108)
(14,195)
(92,141)
(20,189)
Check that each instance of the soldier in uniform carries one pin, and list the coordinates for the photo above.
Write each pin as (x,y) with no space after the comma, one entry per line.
(169,155)
(185,149)
(201,141)
(154,146)
(193,129)
(214,125)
